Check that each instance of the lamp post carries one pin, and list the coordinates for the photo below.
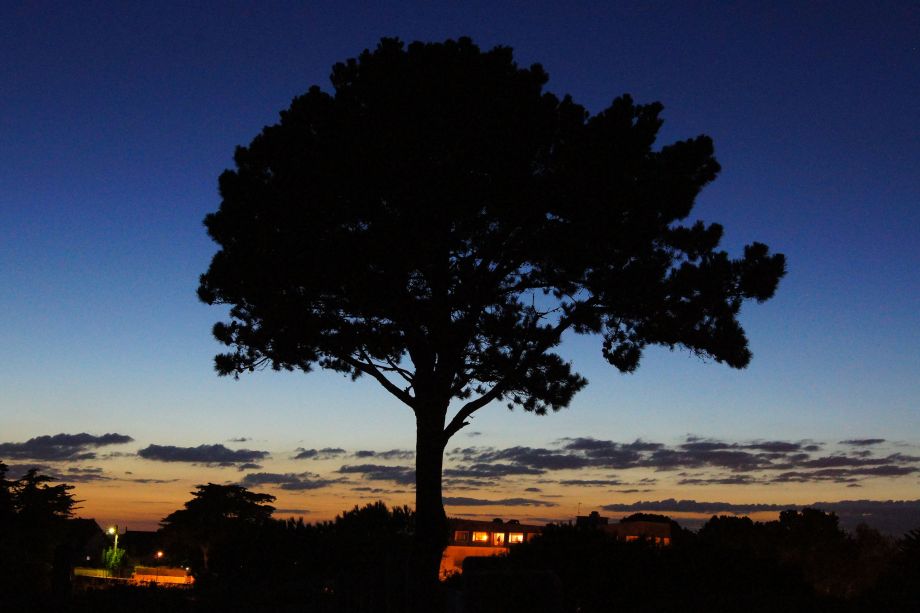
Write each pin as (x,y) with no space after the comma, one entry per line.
(113,530)
(159,557)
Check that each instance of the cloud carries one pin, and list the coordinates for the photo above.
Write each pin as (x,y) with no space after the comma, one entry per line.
(485,470)
(715,461)
(392,454)
(59,447)
(374,490)
(591,482)
(318,454)
(291,511)
(402,475)
(466,484)
(239,439)
(729,480)
(15,471)
(287,481)
(863,442)
(504,502)
(202,454)
(83,474)
(539,458)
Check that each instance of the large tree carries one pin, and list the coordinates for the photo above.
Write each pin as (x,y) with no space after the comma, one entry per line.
(438,222)
(217,516)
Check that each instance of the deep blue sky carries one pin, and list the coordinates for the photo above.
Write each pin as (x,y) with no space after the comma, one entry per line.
(116,119)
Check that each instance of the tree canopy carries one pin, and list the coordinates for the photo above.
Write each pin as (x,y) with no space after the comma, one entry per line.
(33,527)
(217,516)
(440,206)
(438,221)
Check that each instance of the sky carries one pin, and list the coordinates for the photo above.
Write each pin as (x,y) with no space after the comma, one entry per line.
(116,120)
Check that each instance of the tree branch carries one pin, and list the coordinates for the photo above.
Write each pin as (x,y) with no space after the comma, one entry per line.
(459,420)
(402,372)
(370,369)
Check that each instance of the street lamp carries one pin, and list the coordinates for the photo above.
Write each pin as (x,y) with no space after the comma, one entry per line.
(113,530)
(159,557)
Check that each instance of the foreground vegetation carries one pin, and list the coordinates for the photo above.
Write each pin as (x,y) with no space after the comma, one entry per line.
(246,561)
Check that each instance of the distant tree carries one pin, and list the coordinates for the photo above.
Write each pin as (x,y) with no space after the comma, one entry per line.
(112,557)
(33,518)
(37,502)
(369,551)
(216,516)
(439,222)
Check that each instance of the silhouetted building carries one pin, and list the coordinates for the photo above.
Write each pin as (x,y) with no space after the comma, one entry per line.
(140,546)
(85,541)
(470,538)
(632,530)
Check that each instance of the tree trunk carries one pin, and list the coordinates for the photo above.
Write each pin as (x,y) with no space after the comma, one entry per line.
(431,529)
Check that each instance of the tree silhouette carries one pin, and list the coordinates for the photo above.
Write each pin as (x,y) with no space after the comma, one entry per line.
(439,222)
(33,526)
(217,516)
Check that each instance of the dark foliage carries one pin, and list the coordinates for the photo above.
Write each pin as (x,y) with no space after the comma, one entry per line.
(358,562)
(361,562)
(802,562)
(33,536)
(439,221)
(217,527)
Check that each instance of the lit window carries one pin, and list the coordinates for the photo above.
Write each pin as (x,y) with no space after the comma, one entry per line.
(480,537)
(631,538)
(498,539)
(461,536)
(515,537)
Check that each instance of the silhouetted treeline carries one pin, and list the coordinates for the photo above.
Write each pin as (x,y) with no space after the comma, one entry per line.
(360,562)
(801,562)
(357,562)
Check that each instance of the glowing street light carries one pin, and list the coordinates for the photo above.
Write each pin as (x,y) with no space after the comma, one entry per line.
(159,556)
(113,530)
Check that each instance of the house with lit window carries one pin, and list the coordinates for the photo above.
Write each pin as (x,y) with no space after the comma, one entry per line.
(470,538)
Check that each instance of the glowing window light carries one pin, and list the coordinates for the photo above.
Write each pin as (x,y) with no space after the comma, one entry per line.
(515,537)
(480,537)
(498,538)
(461,536)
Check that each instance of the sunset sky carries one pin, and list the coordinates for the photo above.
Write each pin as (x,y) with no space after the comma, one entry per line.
(116,120)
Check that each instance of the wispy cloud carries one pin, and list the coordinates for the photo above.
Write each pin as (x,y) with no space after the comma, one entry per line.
(211,455)
(288,481)
(863,442)
(402,475)
(722,462)
(60,447)
(504,502)
(392,454)
(318,454)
